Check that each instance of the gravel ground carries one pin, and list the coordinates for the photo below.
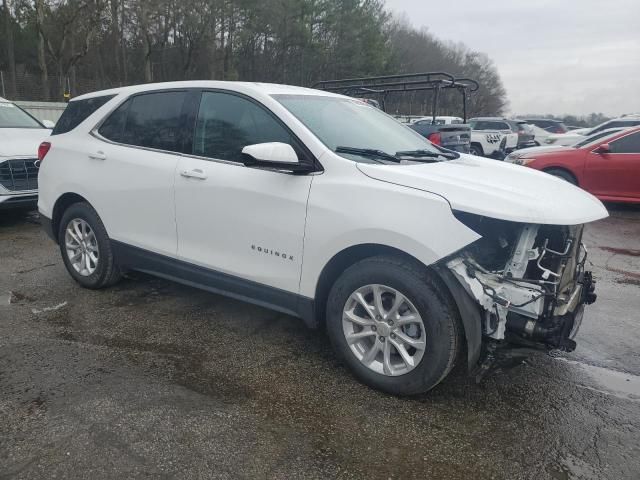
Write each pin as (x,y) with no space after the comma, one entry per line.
(150,379)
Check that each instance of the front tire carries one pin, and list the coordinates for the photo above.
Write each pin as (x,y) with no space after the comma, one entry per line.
(86,248)
(394,324)
(562,174)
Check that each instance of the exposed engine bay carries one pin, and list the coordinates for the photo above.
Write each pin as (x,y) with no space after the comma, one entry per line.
(530,280)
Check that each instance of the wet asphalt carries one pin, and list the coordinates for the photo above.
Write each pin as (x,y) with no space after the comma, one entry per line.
(150,379)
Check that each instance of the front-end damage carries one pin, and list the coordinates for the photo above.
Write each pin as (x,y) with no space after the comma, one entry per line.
(529,281)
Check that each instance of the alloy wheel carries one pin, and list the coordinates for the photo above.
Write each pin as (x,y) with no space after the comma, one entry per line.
(384,330)
(82,247)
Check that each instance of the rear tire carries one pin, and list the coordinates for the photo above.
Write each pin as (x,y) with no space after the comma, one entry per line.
(437,338)
(476,150)
(86,248)
(563,174)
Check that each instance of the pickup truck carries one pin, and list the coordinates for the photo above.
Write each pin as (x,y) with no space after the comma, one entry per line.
(448,132)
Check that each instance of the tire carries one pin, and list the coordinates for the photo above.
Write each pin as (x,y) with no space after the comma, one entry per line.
(104,272)
(426,295)
(563,174)
(476,150)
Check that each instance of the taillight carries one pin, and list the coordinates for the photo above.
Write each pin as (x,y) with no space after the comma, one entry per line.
(435,138)
(43,149)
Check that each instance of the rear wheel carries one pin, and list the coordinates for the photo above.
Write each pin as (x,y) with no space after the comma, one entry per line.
(85,247)
(476,150)
(394,325)
(563,174)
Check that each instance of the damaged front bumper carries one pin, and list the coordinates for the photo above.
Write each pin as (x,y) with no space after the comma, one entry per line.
(530,283)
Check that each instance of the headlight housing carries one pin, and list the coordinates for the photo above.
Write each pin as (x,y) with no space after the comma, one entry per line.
(523,161)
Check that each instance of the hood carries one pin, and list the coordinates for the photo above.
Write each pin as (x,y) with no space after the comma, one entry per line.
(496,189)
(533,151)
(21,142)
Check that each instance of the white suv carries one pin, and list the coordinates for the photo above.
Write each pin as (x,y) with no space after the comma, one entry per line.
(325,208)
(20,135)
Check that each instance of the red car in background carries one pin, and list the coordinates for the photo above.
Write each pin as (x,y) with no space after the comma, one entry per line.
(608,167)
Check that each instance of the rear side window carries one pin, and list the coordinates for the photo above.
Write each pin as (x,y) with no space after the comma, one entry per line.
(628,144)
(113,127)
(228,123)
(77,112)
(151,120)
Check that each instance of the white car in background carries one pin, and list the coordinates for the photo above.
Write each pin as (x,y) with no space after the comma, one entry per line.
(575,136)
(20,136)
(540,135)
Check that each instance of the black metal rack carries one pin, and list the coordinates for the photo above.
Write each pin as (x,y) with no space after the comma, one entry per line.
(413,82)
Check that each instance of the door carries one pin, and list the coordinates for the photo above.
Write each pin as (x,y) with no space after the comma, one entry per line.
(136,166)
(616,173)
(241,221)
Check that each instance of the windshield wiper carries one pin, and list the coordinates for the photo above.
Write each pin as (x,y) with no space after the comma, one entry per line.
(368,152)
(428,154)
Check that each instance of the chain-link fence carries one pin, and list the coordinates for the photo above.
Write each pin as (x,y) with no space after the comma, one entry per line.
(32,87)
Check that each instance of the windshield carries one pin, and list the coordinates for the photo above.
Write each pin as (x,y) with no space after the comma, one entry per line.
(11,116)
(345,122)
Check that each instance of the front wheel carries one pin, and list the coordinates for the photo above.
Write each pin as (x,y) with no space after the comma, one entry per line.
(394,325)
(85,247)
(562,174)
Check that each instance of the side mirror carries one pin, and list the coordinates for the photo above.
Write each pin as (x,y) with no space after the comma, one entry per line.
(48,123)
(273,155)
(275,152)
(603,149)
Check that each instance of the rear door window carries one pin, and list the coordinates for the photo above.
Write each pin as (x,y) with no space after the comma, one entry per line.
(77,112)
(154,120)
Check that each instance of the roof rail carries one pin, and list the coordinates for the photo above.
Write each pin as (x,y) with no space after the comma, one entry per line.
(411,82)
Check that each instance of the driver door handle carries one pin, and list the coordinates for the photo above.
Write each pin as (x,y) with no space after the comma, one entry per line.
(195,173)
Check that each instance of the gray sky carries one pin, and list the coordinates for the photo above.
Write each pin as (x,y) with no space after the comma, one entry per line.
(554,56)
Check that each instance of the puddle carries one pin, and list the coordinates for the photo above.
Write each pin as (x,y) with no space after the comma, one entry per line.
(613,382)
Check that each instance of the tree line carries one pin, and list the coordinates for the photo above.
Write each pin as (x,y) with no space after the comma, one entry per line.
(50,46)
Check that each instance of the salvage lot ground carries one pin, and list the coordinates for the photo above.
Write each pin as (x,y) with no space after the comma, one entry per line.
(154,380)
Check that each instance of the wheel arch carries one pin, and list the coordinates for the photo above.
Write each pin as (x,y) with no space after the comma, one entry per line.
(562,168)
(479,145)
(469,314)
(62,203)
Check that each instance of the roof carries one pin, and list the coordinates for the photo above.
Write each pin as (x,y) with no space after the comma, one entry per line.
(501,119)
(535,119)
(245,87)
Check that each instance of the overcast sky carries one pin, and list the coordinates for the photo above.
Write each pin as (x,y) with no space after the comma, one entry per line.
(554,56)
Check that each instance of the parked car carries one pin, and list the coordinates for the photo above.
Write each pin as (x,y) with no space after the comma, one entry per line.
(539,135)
(608,167)
(577,135)
(320,206)
(548,148)
(454,136)
(548,124)
(519,127)
(20,136)
(492,138)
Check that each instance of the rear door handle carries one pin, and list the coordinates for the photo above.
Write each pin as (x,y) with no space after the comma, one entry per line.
(195,173)
(99,155)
